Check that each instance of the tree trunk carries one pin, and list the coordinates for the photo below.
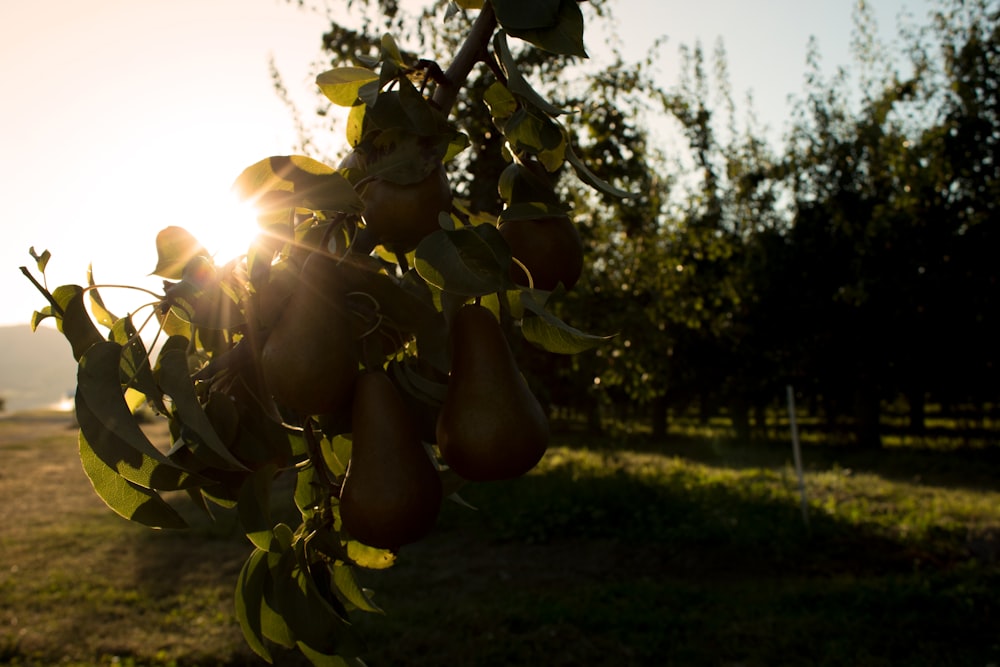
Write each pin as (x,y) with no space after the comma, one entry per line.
(918,411)
(659,416)
(867,414)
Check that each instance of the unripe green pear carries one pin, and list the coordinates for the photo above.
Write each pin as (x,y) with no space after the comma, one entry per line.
(550,248)
(491,427)
(310,361)
(392,493)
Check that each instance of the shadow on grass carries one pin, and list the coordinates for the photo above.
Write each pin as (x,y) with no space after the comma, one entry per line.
(566,568)
(971,468)
(586,561)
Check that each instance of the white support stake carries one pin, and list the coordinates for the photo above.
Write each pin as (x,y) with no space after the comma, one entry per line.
(797,453)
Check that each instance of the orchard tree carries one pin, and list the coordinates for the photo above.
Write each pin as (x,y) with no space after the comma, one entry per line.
(363,344)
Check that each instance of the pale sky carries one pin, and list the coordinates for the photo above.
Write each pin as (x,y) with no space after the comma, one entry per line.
(120,117)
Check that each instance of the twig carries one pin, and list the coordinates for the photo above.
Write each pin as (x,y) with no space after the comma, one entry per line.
(57,309)
(468,55)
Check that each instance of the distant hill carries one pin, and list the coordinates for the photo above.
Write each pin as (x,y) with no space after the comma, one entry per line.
(37,369)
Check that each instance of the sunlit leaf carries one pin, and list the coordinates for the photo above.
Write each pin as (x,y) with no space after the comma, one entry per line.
(97,307)
(41,260)
(291,181)
(125,498)
(355,125)
(175,247)
(341,85)
(368,557)
(501,103)
(74,322)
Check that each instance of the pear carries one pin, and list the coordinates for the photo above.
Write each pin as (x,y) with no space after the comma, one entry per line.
(551,248)
(310,360)
(401,214)
(491,427)
(392,492)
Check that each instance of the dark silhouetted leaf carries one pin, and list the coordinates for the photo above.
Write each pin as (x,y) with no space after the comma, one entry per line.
(519,15)
(249,599)
(254,507)
(173,377)
(564,37)
(111,428)
(471,261)
(553,335)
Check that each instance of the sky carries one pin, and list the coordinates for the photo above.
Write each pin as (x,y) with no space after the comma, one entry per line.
(121,117)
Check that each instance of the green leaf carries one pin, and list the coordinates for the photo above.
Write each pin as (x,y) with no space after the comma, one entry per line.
(173,377)
(74,322)
(136,371)
(501,103)
(254,506)
(355,125)
(273,623)
(370,558)
(519,15)
(97,307)
(249,598)
(470,261)
(516,83)
(533,133)
(564,37)
(552,334)
(175,247)
(41,260)
(592,179)
(347,584)
(341,85)
(111,429)
(309,618)
(291,181)
(390,50)
(125,498)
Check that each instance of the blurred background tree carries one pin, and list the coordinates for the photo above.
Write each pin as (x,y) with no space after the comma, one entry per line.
(855,261)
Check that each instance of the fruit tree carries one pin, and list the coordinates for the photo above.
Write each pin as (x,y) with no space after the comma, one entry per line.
(359,348)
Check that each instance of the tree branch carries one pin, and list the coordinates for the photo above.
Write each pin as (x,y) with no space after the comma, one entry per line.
(468,55)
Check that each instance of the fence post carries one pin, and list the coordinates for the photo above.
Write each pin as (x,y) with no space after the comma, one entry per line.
(797,453)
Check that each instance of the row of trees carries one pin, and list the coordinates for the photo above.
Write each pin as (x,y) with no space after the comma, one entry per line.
(856,262)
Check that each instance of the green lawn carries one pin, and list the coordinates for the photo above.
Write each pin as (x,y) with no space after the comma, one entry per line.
(617,551)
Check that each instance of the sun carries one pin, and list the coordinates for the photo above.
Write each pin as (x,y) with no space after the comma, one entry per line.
(225,226)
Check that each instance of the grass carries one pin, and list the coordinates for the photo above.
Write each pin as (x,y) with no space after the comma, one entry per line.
(621,551)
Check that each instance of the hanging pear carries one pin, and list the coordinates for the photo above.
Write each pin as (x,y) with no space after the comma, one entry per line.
(310,360)
(392,493)
(491,427)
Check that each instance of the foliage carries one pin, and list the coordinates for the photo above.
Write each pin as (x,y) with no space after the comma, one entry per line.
(333,334)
